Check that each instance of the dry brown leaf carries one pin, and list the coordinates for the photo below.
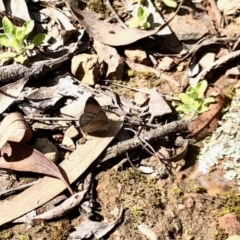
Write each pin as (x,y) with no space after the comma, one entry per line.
(207,122)
(74,166)
(14,128)
(107,33)
(21,157)
(10,92)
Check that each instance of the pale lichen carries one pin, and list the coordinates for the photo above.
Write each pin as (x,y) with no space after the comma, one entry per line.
(223,147)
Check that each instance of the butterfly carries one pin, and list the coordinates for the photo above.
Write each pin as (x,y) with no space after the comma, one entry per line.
(94,118)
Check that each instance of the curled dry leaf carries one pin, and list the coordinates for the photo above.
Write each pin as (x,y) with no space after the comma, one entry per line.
(20,157)
(10,92)
(207,122)
(14,128)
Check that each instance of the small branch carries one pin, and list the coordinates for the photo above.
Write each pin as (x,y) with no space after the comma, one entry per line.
(134,143)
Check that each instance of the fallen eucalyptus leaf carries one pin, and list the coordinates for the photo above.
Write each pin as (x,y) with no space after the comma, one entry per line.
(107,33)
(21,157)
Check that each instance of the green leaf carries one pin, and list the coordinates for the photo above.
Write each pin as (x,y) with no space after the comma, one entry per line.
(140,12)
(20,59)
(39,39)
(4,40)
(183,108)
(20,35)
(29,25)
(185,98)
(146,25)
(197,105)
(28,47)
(208,100)
(132,23)
(203,109)
(7,26)
(201,88)
(170,3)
(15,45)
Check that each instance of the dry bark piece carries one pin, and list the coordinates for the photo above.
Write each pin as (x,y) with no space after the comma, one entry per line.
(61,209)
(20,157)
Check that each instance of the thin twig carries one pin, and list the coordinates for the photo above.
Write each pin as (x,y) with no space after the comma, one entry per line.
(142,90)
(17,189)
(134,143)
(51,118)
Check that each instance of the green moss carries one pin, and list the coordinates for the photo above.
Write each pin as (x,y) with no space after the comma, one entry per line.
(220,235)
(60,230)
(25,237)
(230,203)
(131,73)
(177,191)
(139,194)
(8,234)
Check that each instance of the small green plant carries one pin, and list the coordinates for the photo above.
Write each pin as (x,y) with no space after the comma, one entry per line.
(140,18)
(193,102)
(14,39)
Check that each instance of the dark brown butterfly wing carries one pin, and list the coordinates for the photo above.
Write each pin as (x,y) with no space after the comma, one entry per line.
(94,118)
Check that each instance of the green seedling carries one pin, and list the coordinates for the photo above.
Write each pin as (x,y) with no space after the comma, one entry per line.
(140,19)
(14,39)
(193,101)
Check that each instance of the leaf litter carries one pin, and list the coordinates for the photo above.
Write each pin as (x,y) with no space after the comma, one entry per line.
(52,101)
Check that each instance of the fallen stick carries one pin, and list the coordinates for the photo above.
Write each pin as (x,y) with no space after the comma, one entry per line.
(134,143)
